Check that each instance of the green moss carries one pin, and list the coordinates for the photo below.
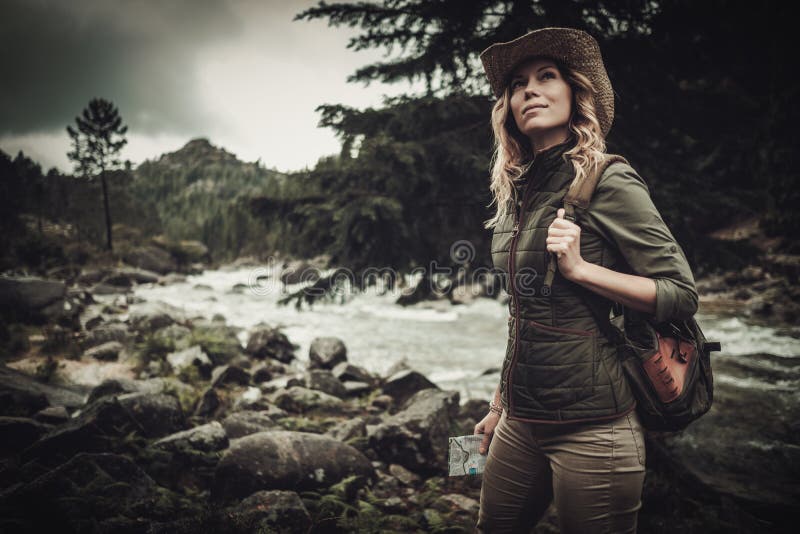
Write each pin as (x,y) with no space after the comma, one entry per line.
(220,343)
(153,348)
(190,375)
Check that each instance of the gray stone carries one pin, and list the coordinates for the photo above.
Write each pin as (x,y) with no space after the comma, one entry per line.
(114,386)
(89,431)
(404,384)
(105,333)
(354,389)
(240,424)
(208,438)
(148,321)
(22,395)
(326,353)
(157,414)
(300,400)
(417,437)
(323,380)
(228,374)
(266,342)
(460,502)
(52,415)
(272,511)
(347,372)
(108,351)
(285,460)
(127,276)
(299,271)
(26,297)
(151,258)
(348,429)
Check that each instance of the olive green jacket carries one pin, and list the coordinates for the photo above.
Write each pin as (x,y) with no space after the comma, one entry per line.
(559,367)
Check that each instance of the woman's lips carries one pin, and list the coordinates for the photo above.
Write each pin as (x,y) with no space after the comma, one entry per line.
(530,110)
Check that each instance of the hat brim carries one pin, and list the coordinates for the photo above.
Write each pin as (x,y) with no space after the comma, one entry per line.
(574,48)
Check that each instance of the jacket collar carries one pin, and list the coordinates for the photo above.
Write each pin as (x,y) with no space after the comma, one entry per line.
(550,158)
(544,164)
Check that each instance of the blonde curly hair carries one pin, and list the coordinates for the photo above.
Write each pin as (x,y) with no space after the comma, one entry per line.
(513,157)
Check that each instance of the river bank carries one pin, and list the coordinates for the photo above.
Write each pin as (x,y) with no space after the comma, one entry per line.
(199,404)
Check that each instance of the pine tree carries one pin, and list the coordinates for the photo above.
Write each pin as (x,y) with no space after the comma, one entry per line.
(96,144)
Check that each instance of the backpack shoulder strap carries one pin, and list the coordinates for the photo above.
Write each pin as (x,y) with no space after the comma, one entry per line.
(580,194)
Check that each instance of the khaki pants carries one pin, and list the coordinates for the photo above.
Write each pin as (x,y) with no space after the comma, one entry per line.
(592,471)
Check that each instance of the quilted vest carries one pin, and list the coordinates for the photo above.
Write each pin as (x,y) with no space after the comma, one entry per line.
(559,367)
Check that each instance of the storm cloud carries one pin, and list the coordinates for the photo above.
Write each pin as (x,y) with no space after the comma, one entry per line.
(56,55)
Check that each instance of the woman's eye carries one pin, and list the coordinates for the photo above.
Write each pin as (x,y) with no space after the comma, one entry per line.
(548,73)
(516,84)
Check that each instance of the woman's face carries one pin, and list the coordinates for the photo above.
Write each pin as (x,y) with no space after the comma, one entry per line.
(541,102)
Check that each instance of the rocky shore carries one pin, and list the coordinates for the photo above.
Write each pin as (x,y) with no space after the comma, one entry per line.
(152,421)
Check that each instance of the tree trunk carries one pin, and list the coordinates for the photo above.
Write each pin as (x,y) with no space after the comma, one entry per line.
(108,211)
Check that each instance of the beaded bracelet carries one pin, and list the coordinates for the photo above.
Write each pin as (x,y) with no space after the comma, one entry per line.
(495,408)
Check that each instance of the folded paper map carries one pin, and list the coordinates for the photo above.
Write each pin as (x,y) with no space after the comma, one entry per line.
(464,458)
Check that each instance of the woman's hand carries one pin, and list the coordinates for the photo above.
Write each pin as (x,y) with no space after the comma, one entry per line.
(486,427)
(564,239)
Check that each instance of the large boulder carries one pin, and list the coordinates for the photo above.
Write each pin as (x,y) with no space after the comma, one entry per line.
(326,353)
(417,436)
(102,425)
(402,385)
(187,459)
(157,414)
(18,433)
(285,460)
(30,298)
(22,395)
(266,342)
(746,449)
(88,493)
(96,429)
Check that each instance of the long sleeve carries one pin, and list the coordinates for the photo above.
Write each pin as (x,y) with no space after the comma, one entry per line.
(623,213)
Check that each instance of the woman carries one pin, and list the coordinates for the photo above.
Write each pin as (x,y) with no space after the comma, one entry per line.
(562,426)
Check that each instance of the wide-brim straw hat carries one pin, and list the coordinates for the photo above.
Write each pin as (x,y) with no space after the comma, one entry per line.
(575,48)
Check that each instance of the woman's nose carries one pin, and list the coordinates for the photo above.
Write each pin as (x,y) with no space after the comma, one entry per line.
(531,91)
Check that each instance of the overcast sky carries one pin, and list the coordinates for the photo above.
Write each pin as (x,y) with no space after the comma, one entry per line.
(238,72)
